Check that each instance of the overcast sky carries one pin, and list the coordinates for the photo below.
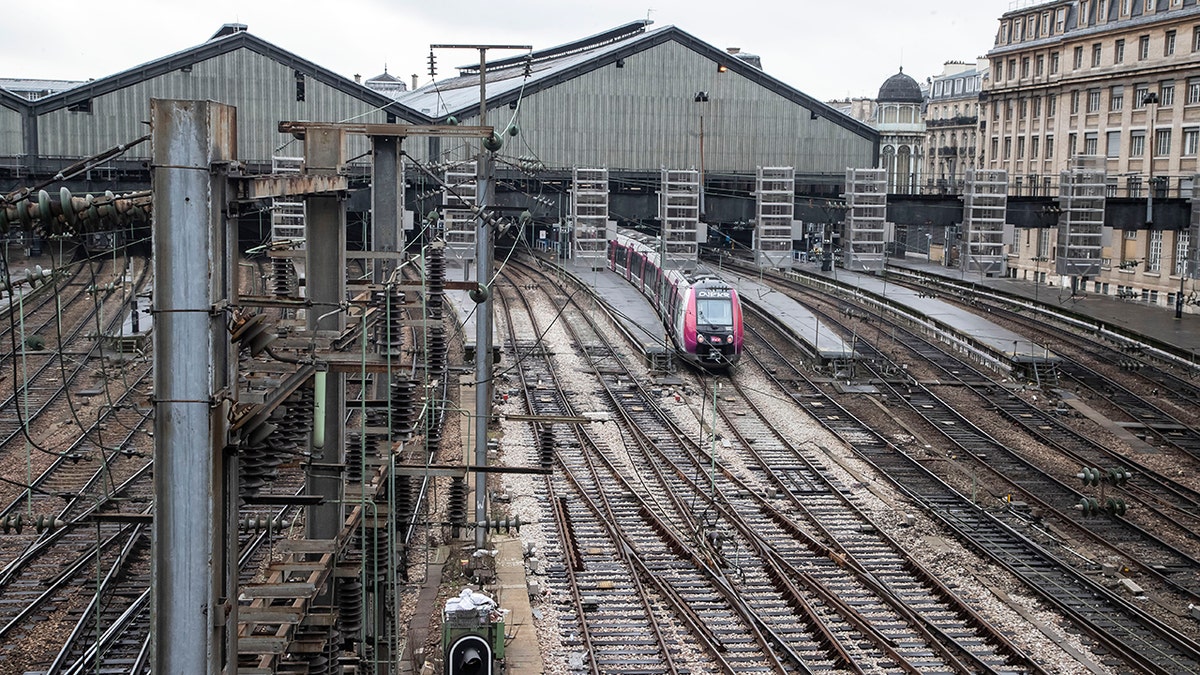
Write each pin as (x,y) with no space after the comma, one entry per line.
(825,49)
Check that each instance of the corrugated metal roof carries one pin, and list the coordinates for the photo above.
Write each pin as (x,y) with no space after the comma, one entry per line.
(460,95)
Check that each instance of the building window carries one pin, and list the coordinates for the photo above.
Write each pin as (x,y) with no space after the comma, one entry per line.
(1162,143)
(1191,141)
(1143,48)
(1116,98)
(1051,104)
(1096,55)
(1023,107)
(1196,39)
(1007,148)
(995,146)
(1075,102)
(998,66)
(1054,58)
(1025,67)
(1137,144)
(1021,147)
(1037,106)
(1039,67)
(1119,52)
(1033,147)
(1169,43)
(1183,241)
(1012,68)
(1049,147)
(84,106)
(1133,185)
(1113,144)
(1090,143)
(1093,100)
(299,85)
(1072,140)
(1154,253)
(1166,93)
(1193,95)
(1139,95)
(1060,20)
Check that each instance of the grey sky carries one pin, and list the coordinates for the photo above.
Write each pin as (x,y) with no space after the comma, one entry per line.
(825,49)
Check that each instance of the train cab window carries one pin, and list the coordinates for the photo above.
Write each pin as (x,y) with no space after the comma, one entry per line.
(714,311)
(622,256)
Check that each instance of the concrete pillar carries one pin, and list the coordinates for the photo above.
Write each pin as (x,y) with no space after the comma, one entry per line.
(325,279)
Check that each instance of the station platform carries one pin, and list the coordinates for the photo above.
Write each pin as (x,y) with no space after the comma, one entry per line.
(636,316)
(821,340)
(1123,317)
(989,336)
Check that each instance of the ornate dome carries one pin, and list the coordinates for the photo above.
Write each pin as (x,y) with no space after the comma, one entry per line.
(900,88)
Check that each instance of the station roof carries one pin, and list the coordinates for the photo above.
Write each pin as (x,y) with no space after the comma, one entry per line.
(507,82)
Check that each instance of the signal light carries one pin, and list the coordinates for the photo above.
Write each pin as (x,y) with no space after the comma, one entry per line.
(470,654)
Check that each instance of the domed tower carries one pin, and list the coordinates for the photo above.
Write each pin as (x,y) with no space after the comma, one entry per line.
(387,84)
(901,125)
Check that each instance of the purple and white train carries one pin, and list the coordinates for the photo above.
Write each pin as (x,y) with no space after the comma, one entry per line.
(702,313)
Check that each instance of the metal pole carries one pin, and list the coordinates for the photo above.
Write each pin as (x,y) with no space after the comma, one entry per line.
(483,322)
(483,271)
(387,196)
(1151,101)
(193,589)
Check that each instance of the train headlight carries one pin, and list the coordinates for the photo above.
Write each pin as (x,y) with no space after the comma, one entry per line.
(700,337)
(729,338)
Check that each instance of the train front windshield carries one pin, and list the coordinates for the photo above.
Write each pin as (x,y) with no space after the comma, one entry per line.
(714,311)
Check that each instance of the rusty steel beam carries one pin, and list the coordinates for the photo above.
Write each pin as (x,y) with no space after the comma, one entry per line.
(280,185)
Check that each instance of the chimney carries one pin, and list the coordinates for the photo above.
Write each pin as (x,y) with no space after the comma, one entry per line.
(414,81)
(357,78)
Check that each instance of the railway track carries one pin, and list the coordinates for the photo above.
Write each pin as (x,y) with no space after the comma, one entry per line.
(816,612)
(1125,631)
(609,537)
(1174,505)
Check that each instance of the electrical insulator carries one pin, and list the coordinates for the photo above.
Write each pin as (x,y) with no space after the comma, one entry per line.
(432,64)
(1090,476)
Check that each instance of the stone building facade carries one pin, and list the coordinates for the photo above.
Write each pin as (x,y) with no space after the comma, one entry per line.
(1118,80)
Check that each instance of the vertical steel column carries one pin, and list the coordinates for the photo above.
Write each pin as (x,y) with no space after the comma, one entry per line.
(483,321)
(194,625)
(325,287)
(387,195)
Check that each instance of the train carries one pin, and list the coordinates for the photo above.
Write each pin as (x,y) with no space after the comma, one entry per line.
(702,313)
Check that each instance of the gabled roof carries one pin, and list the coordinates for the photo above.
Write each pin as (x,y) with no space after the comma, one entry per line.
(12,101)
(506,81)
(230,38)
